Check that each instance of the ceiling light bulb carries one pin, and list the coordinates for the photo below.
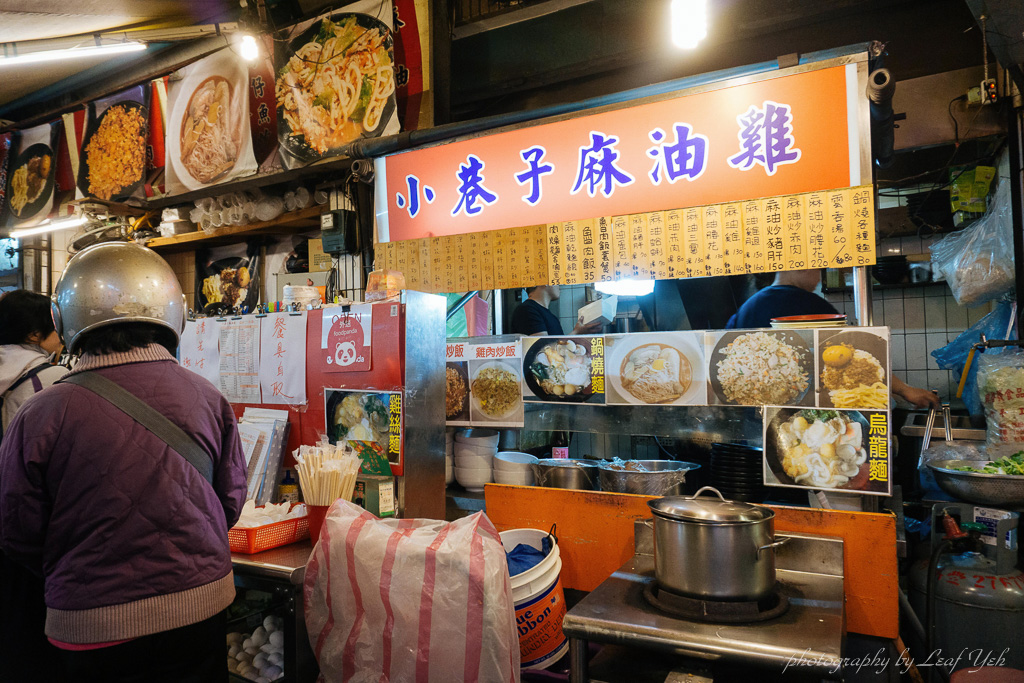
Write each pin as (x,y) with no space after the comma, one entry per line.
(248,48)
(689,23)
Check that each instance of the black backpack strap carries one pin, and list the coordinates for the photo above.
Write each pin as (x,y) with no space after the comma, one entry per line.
(158,424)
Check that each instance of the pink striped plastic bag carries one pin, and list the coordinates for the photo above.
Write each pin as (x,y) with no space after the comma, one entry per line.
(410,600)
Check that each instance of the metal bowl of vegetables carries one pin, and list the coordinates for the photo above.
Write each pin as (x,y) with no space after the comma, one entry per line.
(997,482)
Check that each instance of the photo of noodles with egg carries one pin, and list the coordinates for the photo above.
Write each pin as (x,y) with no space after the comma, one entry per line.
(210,134)
(852,370)
(818,449)
(656,368)
(337,85)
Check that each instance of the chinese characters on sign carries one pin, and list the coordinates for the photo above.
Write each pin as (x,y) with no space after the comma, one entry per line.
(199,350)
(283,358)
(815,230)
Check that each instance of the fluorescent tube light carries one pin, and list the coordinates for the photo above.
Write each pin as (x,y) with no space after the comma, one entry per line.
(689,23)
(49,226)
(626,287)
(83,52)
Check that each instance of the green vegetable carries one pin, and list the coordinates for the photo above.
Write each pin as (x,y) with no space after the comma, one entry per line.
(539,371)
(1012,465)
(326,31)
(813,414)
(365,93)
(324,99)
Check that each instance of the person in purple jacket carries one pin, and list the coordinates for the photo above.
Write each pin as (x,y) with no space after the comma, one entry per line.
(130,538)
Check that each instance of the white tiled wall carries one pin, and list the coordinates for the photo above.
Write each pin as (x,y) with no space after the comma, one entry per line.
(922,319)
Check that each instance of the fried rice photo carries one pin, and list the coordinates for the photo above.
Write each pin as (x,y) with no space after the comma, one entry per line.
(116,152)
(761,369)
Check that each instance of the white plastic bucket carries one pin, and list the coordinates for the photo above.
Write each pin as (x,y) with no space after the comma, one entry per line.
(539,602)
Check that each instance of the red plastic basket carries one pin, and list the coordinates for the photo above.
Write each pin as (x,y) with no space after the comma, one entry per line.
(260,538)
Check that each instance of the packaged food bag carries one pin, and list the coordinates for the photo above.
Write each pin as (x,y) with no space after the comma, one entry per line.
(410,600)
(1001,388)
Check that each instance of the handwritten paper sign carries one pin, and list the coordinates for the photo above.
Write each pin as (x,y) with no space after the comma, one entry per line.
(283,358)
(199,350)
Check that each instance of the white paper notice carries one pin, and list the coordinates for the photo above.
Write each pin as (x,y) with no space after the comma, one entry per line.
(240,360)
(283,358)
(199,350)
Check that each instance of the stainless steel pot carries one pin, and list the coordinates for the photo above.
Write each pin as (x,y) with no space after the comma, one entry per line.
(714,549)
(645,477)
(566,473)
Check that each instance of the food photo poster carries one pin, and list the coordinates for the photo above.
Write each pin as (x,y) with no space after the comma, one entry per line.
(208,136)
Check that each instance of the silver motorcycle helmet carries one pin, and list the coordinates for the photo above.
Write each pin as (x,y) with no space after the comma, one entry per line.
(116,282)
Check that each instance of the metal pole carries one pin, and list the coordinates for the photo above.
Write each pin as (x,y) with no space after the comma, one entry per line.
(1013,133)
(578,664)
(862,295)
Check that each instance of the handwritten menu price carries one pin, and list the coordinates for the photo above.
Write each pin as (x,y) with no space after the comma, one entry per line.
(829,229)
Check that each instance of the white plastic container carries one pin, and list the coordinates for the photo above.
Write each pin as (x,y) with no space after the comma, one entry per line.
(539,602)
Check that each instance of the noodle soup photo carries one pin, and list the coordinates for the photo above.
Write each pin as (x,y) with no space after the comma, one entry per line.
(660,368)
(335,84)
(208,135)
(853,369)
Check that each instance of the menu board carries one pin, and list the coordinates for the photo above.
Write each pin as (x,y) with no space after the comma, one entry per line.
(563,369)
(825,392)
(656,368)
(483,384)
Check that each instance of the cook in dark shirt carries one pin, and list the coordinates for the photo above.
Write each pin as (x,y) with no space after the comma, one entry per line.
(532,317)
(792,293)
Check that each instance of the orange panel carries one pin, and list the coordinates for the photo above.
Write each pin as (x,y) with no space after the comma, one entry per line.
(595,537)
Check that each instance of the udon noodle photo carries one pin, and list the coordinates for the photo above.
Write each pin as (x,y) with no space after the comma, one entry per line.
(336,86)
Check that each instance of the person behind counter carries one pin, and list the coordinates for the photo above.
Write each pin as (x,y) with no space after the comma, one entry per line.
(130,538)
(794,292)
(533,317)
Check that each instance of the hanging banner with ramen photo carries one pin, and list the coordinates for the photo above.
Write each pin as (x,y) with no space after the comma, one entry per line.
(31,171)
(208,138)
(335,82)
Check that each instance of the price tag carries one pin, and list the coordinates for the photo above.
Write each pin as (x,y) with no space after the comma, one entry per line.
(570,256)
(658,250)
(794,232)
(732,238)
(816,231)
(675,244)
(862,200)
(714,242)
(588,250)
(838,223)
(555,254)
(639,231)
(693,244)
(771,212)
(753,237)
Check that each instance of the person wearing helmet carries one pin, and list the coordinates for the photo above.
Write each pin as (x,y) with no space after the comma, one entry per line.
(129,533)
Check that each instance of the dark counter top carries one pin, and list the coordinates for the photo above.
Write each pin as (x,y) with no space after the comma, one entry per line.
(287,563)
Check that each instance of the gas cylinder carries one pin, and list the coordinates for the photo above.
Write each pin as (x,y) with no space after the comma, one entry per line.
(979,591)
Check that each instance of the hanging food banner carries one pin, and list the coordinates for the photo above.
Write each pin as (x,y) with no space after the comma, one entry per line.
(262,107)
(112,162)
(5,160)
(31,173)
(208,138)
(456,394)
(657,368)
(335,81)
(156,146)
(412,45)
(563,369)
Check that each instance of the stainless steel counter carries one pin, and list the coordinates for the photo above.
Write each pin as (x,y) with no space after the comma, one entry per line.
(808,637)
(286,563)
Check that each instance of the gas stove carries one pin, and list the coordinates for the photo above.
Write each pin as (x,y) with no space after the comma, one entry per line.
(800,629)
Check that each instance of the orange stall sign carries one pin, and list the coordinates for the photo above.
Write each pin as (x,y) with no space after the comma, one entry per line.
(788,132)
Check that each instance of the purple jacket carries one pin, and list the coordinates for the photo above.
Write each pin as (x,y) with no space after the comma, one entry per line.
(128,535)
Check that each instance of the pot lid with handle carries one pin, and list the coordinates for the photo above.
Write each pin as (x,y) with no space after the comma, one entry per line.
(709,510)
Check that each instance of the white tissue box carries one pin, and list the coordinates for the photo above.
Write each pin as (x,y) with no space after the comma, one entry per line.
(602,310)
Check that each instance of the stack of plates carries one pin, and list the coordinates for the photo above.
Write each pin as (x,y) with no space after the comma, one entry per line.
(799,322)
(736,472)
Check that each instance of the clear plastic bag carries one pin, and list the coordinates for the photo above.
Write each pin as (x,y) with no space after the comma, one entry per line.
(946,450)
(953,356)
(1001,387)
(410,600)
(977,262)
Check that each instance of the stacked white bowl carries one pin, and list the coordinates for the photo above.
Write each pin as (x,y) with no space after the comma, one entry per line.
(474,454)
(449,457)
(513,467)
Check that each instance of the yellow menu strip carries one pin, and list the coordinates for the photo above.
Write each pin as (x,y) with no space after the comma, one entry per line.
(828,229)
